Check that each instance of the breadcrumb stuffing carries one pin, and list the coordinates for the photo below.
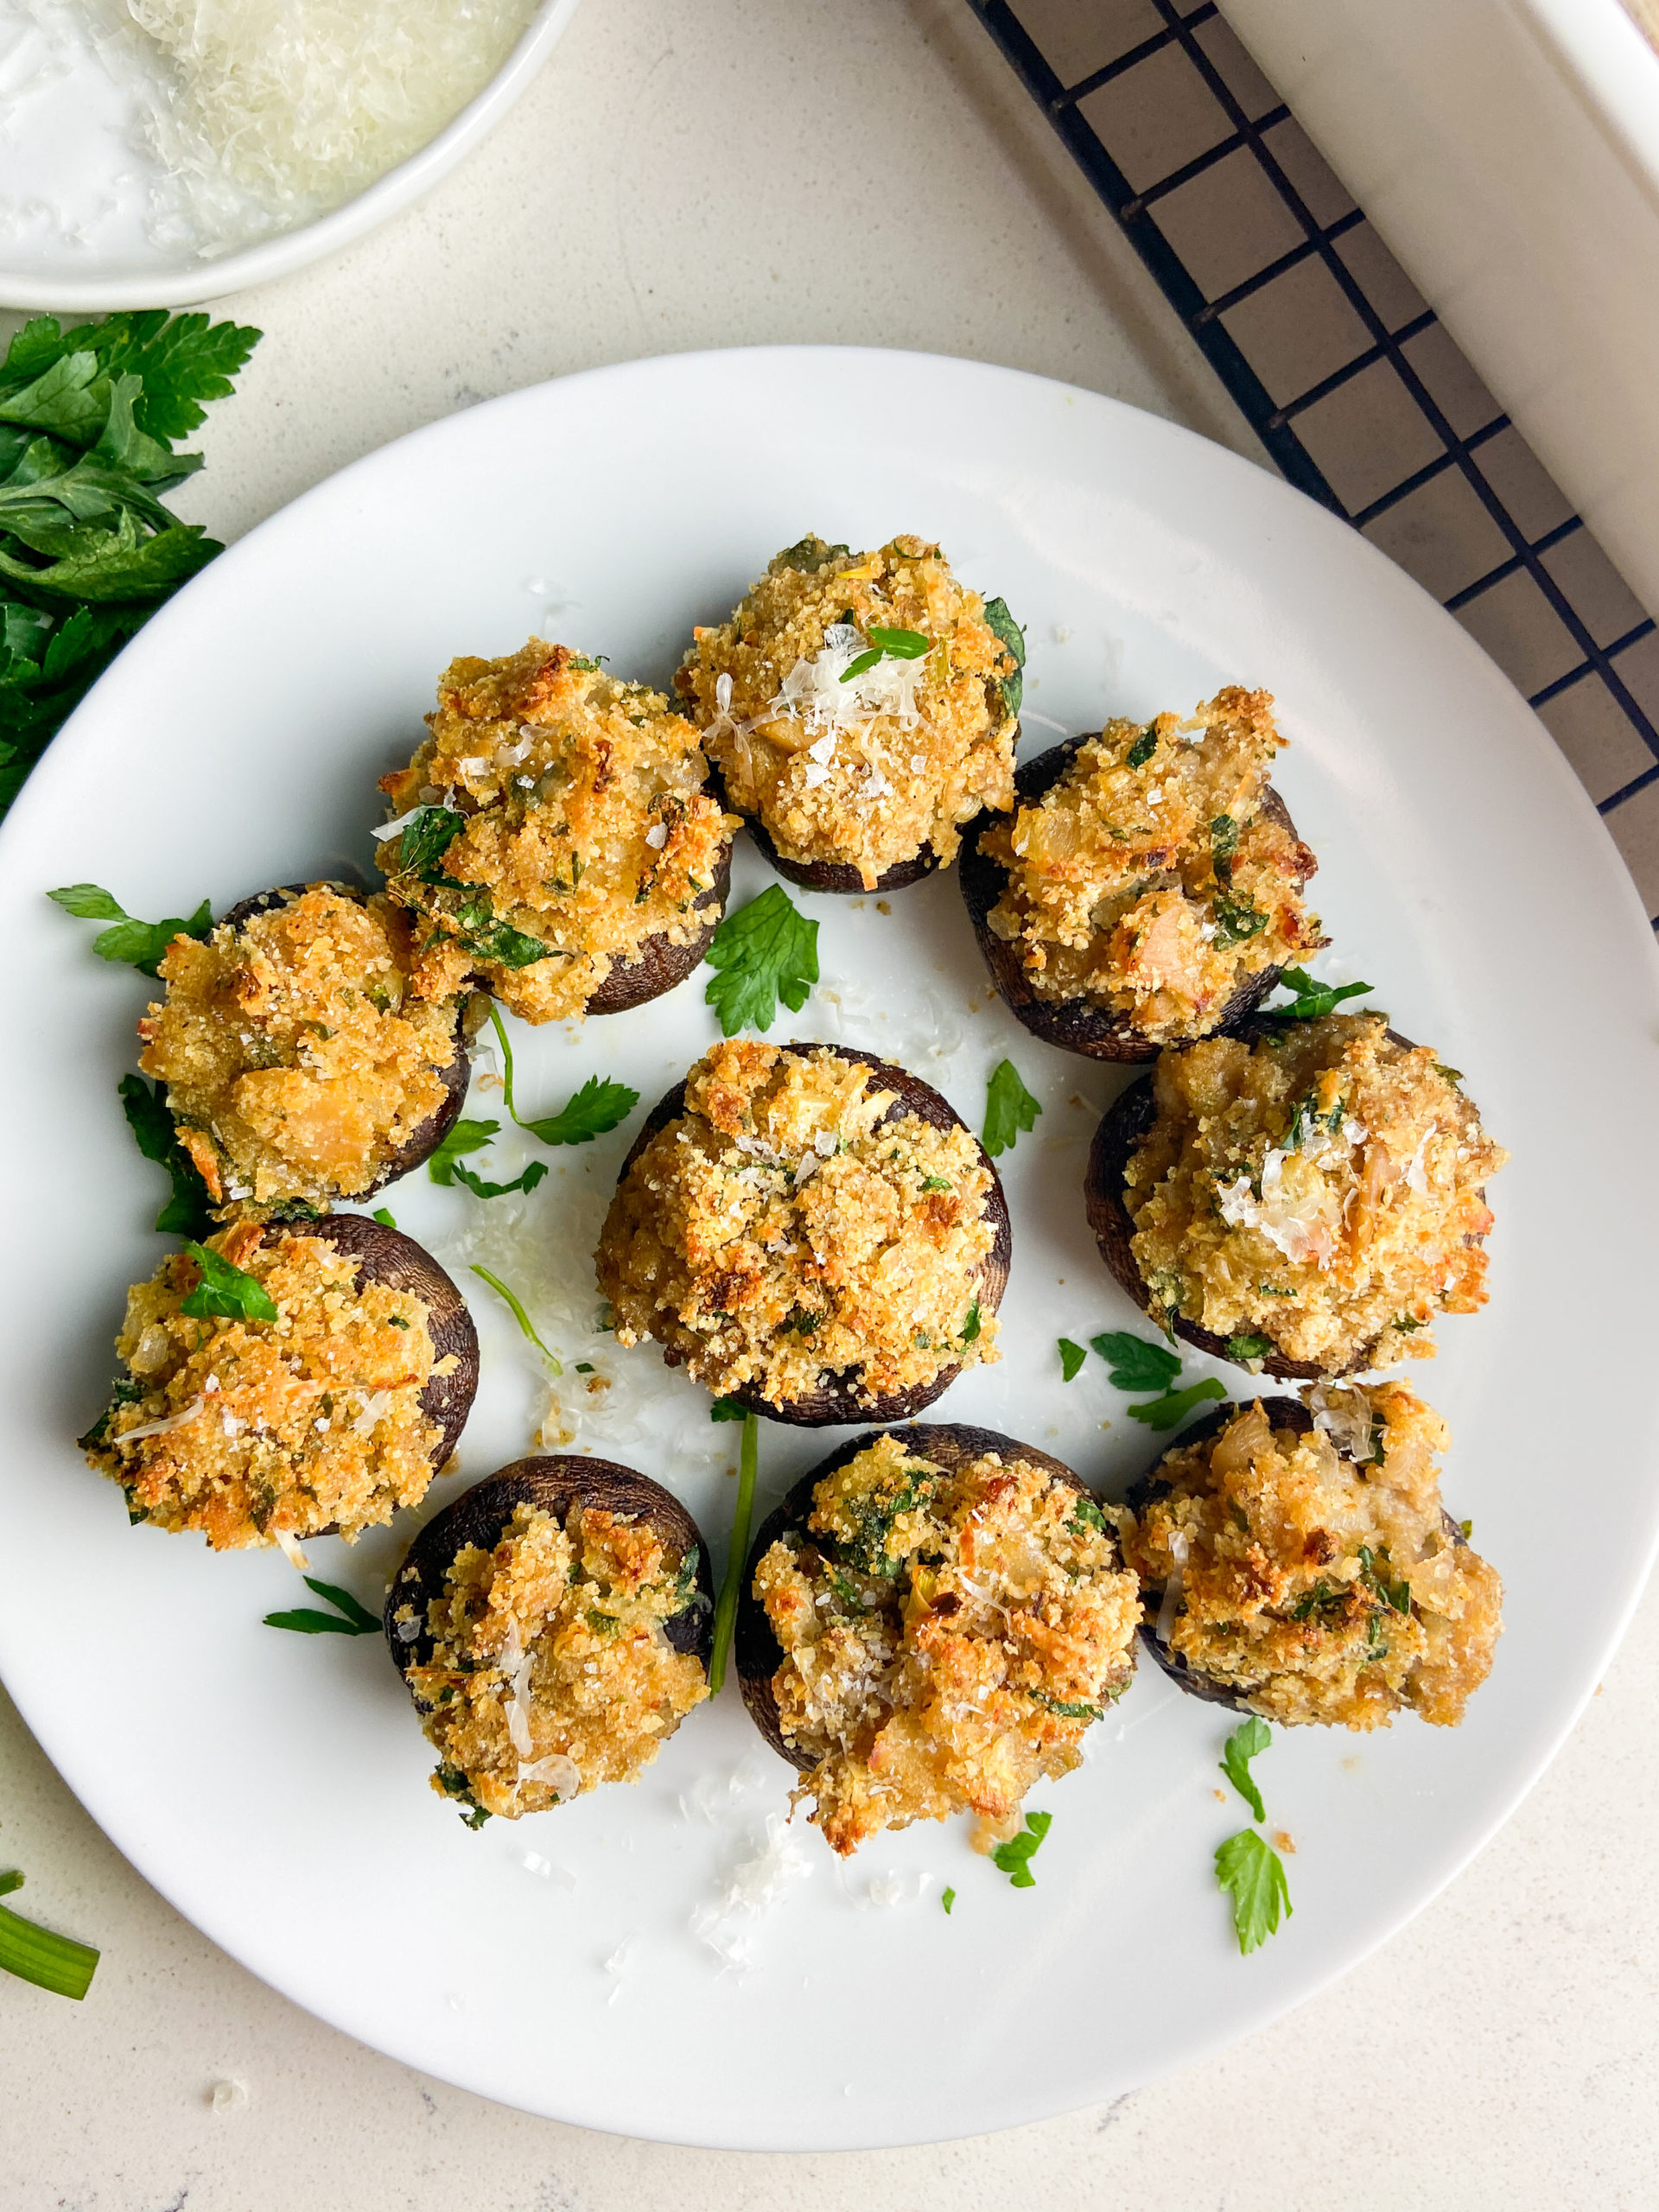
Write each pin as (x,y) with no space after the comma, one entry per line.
(556,823)
(1320,1585)
(1319,1188)
(1148,880)
(948,1635)
(263,1432)
(857,768)
(297,1058)
(550,1670)
(781,1233)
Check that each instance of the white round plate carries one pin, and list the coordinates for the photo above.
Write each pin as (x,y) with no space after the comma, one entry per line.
(592,1963)
(75,188)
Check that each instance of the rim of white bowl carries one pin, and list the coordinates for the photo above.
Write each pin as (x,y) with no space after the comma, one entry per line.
(278,257)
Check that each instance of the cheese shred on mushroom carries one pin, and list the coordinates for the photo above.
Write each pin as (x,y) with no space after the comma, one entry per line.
(550,1670)
(948,1637)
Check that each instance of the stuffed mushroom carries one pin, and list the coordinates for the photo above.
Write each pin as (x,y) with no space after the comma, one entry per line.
(811,1230)
(301,1064)
(294,1380)
(1148,888)
(1296,1561)
(859,708)
(555,840)
(929,1623)
(553,1626)
(1306,1196)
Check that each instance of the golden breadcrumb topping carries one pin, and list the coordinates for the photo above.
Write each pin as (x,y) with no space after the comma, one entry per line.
(781,1232)
(556,822)
(257,1431)
(1148,880)
(948,1636)
(858,765)
(1319,1188)
(550,1670)
(1316,1576)
(297,1058)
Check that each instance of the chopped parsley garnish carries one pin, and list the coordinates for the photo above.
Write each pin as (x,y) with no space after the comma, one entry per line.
(1078,1709)
(1085,1514)
(526,1181)
(496,941)
(1012,637)
(763,952)
(948,1899)
(1009,1108)
(890,644)
(808,556)
(37,1954)
(1245,1348)
(938,1183)
(425,838)
(1451,1075)
(459,1138)
(348,1618)
(1175,1405)
(1394,1594)
(385,1216)
(1247,1742)
(1144,746)
(1313,1001)
(1071,1359)
(227,1291)
(1237,920)
(728,1410)
(587,1114)
(453,1784)
(520,1316)
(139,945)
(732,1581)
(1223,846)
(1248,1867)
(970,1327)
(1134,1363)
(188,1211)
(1468,1529)
(1014,1858)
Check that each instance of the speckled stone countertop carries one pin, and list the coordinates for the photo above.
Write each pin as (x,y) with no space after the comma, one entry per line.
(862,171)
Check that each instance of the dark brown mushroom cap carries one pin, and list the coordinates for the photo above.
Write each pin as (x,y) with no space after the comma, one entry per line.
(756,1650)
(481,1515)
(824,876)
(1075,1025)
(661,964)
(840,1402)
(386,1255)
(1146,1489)
(431,1133)
(1122,1129)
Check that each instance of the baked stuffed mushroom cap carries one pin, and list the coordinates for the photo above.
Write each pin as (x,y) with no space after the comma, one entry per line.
(811,1230)
(555,838)
(1148,888)
(301,1064)
(306,1381)
(929,1623)
(858,708)
(1304,1196)
(553,1627)
(1296,1561)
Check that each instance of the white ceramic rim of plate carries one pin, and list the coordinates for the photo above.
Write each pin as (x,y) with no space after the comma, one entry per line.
(279,257)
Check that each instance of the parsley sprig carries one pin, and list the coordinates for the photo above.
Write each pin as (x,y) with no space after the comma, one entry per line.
(1132,1364)
(762,952)
(1312,1001)
(1247,1742)
(138,944)
(1174,1406)
(1014,1858)
(348,1618)
(887,644)
(38,1954)
(225,1293)
(590,1112)
(527,1328)
(731,1586)
(188,1211)
(1009,1108)
(1248,1867)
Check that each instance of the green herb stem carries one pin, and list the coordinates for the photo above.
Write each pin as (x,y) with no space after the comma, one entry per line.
(732,1583)
(37,1954)
(520,1316)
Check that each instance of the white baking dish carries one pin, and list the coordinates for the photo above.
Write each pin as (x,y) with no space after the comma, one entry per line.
(1508,152)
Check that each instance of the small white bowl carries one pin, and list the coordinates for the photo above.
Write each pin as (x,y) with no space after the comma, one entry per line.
(67,149)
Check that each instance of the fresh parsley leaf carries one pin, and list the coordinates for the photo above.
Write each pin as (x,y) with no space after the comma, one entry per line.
(1144,746)
(384,1215)
(1067,1709)
(970,1327)
(188,1212)
(587,1114)
(1313,1001)
(1134,1364)
(584,1367)
(139,945)
(1014,1858)
(765,952)
(527,1181)
(947,1898)
(1012,639)
(1237,920)
(424,840)
(1175,1405)
(1071,1359)
(728,1410)
(1245,1348)
(461,1138)
(231,1293)
(498,941)
(1249,1867)
(348,1619)
(453,1784)
(1223,846)
(1247,1742)
(37,1954)
(1085,1514)
(1009,1108)
(808,556)
(520,1316)
(737,1553)
(900,644)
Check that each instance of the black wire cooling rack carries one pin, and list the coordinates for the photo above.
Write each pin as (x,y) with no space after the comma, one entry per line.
(1277,274)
